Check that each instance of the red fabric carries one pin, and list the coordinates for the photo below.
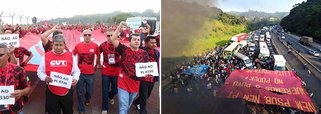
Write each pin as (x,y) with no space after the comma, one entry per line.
(113,69)
(86,56)
(281,88)
(64,67)
(127,77)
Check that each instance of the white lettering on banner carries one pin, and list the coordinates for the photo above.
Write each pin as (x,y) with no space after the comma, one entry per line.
(58,63)
(5,93)
(142,69)
(10,39)
(61,80)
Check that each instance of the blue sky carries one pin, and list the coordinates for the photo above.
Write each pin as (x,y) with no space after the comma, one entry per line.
(269,6)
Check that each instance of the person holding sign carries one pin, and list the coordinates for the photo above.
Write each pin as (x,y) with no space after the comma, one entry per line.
(58,97)
(147,83)
(110,71)
(12,59)
(128,82)
(11,75)
(86,52)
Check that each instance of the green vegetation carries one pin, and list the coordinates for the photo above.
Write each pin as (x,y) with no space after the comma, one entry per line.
(109,18)
(304,19)
(216,32)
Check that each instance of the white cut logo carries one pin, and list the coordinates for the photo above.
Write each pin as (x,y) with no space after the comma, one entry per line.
(58,63)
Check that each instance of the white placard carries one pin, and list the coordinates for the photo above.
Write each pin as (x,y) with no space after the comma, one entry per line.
(142,69)
(10,39)
(5,93)
(61,80)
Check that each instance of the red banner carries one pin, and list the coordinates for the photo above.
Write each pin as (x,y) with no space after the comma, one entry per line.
(281,88)
(33,43)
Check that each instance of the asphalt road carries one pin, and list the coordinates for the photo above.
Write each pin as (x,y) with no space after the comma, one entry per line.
(36,104)
(316,61)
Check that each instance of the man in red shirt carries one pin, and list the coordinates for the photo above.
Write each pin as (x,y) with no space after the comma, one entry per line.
(20,52)
(147,82)
(11,74)
(86,52)
(58,99)
(128,82)
(110,71)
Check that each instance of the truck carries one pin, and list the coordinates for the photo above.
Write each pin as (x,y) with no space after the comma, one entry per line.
(261,38)
(238,37)
(279,63)
(246,60)
(305,40)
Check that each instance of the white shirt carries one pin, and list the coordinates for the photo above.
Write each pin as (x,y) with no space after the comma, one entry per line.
(41,72)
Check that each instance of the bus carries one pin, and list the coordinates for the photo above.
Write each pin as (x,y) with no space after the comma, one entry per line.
(232,48)
(264,51)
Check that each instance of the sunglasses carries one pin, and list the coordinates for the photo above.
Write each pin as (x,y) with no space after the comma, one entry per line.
(108,35)
(87,34)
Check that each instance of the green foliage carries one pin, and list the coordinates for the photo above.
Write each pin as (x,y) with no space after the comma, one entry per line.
(121,17)
(305,19)
(213,33)
(109,18)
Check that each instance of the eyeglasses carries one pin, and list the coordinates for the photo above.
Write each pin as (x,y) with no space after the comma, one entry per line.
(87,34)
(108,35)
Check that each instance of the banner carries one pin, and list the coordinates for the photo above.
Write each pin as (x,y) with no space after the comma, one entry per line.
(281,88)
(33,43)
(10,39)
(198,70)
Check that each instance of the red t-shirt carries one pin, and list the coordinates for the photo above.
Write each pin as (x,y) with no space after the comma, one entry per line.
(58,63)
(150,78)
(16,76)
(86,56)
(111,59)
(127,79)
(20,52)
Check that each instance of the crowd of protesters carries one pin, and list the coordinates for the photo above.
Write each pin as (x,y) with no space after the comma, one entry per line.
(221,64)
(118,67)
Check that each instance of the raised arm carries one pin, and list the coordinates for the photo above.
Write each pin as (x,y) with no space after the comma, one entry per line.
(44,36)
(115,35)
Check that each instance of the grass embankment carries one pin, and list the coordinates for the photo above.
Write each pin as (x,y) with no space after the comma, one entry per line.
(213,33)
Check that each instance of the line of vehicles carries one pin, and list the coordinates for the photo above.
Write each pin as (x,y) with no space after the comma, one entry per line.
(258,39)
(304,40)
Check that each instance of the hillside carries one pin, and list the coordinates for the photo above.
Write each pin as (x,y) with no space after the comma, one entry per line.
(189,29)
(305,19)
(254,15)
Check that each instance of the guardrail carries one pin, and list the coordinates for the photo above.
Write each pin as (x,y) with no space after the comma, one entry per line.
(315,71)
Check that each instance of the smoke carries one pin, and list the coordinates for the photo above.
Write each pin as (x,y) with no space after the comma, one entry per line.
(181,21)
